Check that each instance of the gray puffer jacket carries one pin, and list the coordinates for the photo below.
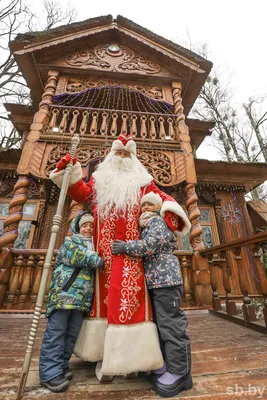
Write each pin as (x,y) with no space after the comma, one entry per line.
(162,268)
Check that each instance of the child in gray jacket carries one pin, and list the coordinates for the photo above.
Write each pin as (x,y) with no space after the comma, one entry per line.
(164,281)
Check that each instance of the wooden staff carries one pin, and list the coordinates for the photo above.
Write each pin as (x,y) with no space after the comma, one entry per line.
(57,219)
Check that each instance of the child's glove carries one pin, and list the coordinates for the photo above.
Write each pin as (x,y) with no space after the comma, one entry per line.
(118,247)
(100,263)
(64,162)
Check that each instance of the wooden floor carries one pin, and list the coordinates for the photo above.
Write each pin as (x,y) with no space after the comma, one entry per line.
(229,362)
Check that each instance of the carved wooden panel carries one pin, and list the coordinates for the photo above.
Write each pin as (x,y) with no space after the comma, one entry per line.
(122,59)
(76,85)
(167,168)
(7,187)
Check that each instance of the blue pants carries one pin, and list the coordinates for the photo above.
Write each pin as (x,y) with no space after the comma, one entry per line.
(63,327)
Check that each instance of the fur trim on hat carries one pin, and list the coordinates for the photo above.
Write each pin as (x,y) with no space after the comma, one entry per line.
(86,218)
(76,175)
(152,198)
(130,146)
(177,210)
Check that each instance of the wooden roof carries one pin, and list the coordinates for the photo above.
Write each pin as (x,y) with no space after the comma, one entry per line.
(37,52)
(248,175)
(260,207)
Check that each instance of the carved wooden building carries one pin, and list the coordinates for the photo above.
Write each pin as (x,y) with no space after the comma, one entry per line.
(98,78)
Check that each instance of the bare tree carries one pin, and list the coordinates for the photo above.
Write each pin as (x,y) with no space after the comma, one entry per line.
(258,121)
(17,17)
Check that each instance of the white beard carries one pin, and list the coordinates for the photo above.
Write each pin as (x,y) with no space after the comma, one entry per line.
(117,184)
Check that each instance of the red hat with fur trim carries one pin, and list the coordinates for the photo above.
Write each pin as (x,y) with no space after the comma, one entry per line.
(124,142)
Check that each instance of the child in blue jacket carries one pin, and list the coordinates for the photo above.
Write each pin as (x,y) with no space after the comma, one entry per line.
(164,281)
(69,299)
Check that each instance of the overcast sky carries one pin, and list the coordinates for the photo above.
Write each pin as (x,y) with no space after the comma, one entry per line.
(234,30)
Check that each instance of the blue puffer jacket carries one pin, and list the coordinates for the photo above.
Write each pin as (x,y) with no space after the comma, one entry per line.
(76,252)
(162,268)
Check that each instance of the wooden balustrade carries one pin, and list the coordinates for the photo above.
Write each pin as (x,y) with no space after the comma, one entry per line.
(99,123)
(217,258)
(26,273)
(25,278)
(185,259)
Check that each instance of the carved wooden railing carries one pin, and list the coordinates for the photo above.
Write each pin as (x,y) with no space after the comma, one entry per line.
(25,273)
(217,258)
(185,259)
(26,269)
(102,124)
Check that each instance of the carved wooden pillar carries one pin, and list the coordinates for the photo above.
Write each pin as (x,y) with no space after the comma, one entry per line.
(248,309)
(262,277)
(6,263)
(230,303)
(186,280)
(15,212)
(201,275)
(216,302)
(40,120)
(75,209)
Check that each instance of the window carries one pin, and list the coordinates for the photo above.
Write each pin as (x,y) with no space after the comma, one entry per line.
(209,230)
(26,229)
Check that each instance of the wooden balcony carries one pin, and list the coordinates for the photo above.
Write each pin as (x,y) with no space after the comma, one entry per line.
(101,126)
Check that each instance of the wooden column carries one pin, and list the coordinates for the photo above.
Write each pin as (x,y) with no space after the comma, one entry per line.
(248,309)
(186,280)
(200,267)
(40,120)
(230,303)
(261,276)
(15,212)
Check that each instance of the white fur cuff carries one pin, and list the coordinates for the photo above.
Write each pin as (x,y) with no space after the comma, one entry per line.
(57,177)
(131,348)
(177,210)
(90,343)
(76,175)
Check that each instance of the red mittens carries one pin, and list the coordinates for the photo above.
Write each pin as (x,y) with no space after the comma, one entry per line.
(64,161)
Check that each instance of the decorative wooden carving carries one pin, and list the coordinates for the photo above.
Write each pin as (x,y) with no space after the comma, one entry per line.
(193,215)
(15,212)
(36,190)
(40,120)
(158,165)
(167,168)
(7,187)
(125,60)
(76,85)
(38,230)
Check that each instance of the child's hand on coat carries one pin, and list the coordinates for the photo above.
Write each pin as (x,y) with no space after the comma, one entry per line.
(118,247)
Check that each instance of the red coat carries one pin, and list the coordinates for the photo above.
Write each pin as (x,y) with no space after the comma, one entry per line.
(120,288)
(120,330)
